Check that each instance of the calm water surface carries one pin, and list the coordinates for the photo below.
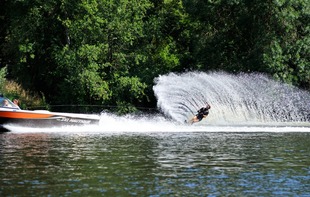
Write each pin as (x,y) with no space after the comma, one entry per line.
(155,164)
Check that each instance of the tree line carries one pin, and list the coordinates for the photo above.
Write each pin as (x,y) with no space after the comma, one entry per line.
(103,52)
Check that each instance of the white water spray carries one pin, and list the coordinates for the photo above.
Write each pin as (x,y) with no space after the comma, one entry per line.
(239,103)
(234,99)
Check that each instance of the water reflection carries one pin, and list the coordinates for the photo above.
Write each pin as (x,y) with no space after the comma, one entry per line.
(154,164)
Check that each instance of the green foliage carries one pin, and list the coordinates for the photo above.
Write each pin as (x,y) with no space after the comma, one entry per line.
(100,35)
(109,52)
(287,56)
(124,107)
(3,73)
(242,35)
(128,88)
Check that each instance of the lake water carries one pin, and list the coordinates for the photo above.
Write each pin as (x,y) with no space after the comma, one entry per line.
(156,161)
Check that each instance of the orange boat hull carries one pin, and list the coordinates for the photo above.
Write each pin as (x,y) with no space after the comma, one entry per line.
(44,118)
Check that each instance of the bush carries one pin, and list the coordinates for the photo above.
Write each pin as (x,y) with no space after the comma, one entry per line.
(13,90)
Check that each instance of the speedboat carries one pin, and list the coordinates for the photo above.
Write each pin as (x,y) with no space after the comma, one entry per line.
(13,115)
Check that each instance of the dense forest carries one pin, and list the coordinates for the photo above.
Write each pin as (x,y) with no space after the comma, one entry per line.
(100,52)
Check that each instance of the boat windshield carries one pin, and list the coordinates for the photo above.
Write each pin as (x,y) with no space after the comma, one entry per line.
(7,103)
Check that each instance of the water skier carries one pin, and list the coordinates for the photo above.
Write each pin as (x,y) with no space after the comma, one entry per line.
(201,113)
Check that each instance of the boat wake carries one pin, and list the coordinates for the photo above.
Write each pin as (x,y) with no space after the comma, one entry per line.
(112,124)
